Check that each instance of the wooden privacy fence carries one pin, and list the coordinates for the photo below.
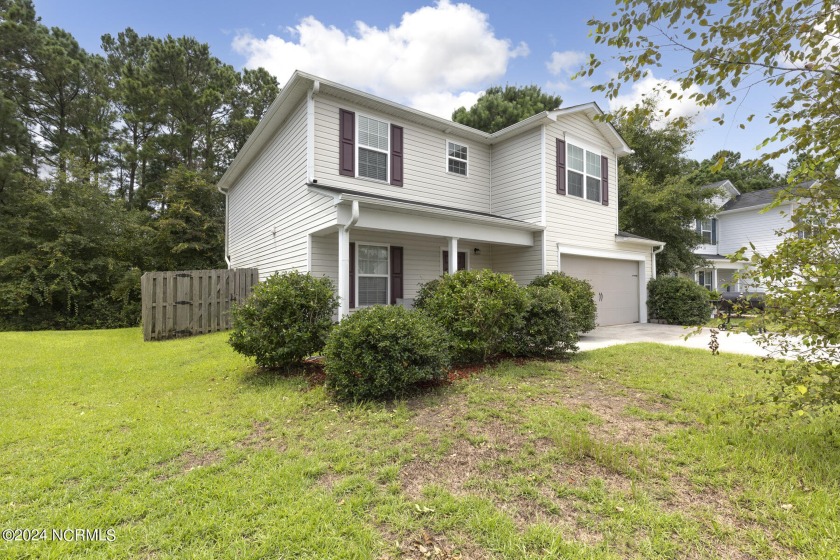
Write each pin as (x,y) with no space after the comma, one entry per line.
(192,302)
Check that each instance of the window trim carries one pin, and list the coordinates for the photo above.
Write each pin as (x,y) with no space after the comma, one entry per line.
(387,152)
(570,141)
(466,259)
(447,157)
(710,230)
(706,272)
(386,276)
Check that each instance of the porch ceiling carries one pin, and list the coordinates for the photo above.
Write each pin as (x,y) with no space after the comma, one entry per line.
(381,213)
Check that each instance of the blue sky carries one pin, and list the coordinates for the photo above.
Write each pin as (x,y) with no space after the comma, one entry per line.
(434,56)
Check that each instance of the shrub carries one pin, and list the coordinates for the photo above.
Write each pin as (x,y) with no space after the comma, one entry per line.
(285,319)
(678,300)
(480,309)
(581,297)
(548,329)
(383,351)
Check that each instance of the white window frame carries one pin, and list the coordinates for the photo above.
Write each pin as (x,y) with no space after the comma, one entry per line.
(703,230)
(359,274)
(707,274)
(387,152)
(448,157)
(593,150)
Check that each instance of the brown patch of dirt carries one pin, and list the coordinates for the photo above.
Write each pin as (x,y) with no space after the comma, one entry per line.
(190,460)
(261,438)
(428,545)
(465,372)
(698,502)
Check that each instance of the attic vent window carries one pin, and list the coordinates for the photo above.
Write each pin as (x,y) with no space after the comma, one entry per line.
(373,149)
(456,158)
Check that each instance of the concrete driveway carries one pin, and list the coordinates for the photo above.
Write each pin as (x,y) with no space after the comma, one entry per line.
(601,337)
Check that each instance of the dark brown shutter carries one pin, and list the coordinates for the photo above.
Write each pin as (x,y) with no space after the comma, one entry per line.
(347,143)
(396,155)
(605,181)
(714,231)
(446,262)
(462,261)
(561,166)
(352,276)
(396,274)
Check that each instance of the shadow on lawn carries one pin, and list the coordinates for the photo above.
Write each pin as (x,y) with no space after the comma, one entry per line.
(304,377)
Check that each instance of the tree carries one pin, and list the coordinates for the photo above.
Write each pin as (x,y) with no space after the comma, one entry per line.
(501,107)
(746,176)
(728,50)
(654,199)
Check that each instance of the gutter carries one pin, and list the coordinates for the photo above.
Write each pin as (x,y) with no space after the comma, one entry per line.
(227,214)
(653,262)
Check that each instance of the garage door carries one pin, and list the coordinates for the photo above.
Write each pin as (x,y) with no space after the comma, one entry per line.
(615,283)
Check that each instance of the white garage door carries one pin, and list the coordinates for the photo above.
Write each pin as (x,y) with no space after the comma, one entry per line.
(615,283)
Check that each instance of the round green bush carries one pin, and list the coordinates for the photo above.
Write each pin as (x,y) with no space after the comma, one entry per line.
(480,309)
(678,300)
(285,319)
(383,352)
(581,297)
(548,329)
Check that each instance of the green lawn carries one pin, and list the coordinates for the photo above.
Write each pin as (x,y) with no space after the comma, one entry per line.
(187,451)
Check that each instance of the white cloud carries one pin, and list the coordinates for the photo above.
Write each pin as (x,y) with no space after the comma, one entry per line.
(444,103)
(652,87)
(433,57)
(565,62)
(562,65)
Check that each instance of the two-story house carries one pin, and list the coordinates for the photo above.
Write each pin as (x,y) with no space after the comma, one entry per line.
(742,220)
(380,198)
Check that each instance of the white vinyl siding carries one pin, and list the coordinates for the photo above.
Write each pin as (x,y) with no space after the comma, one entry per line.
(523,263)
(270,209)
(739,229)
(516,177)
(425,175)
(572,220)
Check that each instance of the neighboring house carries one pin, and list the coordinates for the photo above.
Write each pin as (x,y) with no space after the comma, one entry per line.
(742,219)
(381,198)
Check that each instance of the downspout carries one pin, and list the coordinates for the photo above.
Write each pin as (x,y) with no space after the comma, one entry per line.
(354,216)
(227,214)
(653,263)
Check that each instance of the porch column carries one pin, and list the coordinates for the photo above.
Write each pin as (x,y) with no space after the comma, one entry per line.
(714,279)
(453,255)
(343,273)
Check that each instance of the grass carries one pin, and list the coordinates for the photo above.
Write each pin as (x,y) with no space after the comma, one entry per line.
(186,450)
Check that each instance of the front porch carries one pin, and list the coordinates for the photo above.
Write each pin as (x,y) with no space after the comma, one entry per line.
(379,251)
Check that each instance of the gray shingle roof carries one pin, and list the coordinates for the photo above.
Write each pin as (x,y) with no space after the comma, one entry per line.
(761,198)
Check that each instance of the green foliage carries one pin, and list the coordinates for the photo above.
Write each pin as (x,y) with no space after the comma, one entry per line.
(501,107)
(580,294)
(730,50)
(678,300)
(654,198)
(746,176)
(383,352)
(803,301)
(479,308)
(549,328)
(108,165)
(285,319)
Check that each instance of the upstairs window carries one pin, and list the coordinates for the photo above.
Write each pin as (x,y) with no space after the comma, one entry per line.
(456,158)
(584,173)
(706,230)
(373,149)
